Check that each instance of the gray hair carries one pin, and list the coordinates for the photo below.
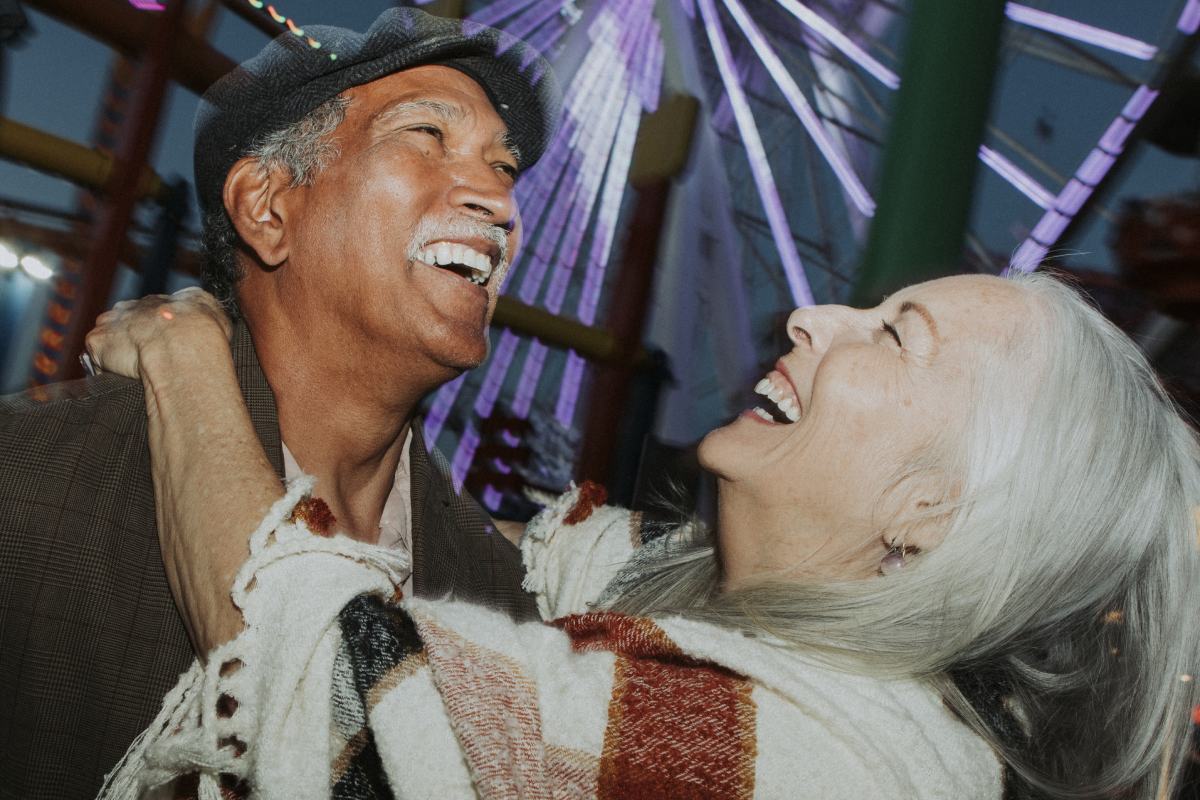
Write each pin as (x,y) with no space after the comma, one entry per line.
(303,149)
(1059,615)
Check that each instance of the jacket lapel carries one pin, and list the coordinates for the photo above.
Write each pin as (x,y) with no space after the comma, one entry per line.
(457,551)
(432,548)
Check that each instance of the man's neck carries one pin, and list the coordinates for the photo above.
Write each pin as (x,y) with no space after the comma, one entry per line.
(344,419)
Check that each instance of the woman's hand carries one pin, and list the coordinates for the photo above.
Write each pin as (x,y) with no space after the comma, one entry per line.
(127,338)
(212,481)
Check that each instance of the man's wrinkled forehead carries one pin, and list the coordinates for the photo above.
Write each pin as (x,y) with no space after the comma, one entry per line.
(447,112)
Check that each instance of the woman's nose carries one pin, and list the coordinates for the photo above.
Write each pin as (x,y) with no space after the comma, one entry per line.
(814,327)
(798,324)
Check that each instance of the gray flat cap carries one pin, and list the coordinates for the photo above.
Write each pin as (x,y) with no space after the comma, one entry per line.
(289,78)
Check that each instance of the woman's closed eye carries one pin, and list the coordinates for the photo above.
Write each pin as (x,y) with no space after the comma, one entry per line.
(890,330)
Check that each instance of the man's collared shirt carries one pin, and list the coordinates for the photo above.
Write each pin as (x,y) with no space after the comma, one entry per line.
(395,525)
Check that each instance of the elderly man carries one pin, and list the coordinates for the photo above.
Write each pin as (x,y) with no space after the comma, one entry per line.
(359,216)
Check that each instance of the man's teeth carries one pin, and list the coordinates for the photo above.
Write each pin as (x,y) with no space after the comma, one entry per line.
(442,254)
(784,402)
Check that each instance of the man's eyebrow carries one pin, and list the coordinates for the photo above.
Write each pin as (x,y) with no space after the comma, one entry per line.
(505,140)
(923,313)
(447,112)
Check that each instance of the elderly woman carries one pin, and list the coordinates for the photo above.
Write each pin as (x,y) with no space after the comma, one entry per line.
(955,550)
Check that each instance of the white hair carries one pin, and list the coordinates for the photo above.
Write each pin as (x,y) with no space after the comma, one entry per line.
(1059,616)
(302,149)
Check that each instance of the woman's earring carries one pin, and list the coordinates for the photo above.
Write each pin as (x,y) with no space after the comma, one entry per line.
(894,561)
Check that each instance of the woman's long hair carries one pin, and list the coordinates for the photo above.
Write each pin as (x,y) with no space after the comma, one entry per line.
(1067,585)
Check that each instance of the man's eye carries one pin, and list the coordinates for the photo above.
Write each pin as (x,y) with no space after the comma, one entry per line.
(432,130)
(891,331)
(507,169)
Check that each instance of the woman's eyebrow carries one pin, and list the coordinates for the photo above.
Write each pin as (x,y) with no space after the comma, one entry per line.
(923,313)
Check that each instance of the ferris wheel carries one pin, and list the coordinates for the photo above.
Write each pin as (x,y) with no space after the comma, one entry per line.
(797,98)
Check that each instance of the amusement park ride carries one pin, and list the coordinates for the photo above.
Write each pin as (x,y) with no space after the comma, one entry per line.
(720,162)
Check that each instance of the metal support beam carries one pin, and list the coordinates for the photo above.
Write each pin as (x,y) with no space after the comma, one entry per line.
(82,165)
(194,63)
(931,156)
(121,194)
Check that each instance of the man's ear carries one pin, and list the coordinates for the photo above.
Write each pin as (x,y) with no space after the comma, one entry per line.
(253,199)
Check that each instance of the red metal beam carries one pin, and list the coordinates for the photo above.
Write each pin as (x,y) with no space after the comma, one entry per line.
(121,195)
(193,62)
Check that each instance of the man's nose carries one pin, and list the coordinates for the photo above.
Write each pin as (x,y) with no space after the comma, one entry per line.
(481,191)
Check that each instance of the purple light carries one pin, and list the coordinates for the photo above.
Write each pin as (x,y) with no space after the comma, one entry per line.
(493,380)
(1098,163)
(1088,34)
(509,438)
(1113,140)
(757,156)
(568,397)
(533,17)
(1189,20)
(1027,257)
(1095,166)
(531,374)
(610,209)
(1016,176)
(559,199)
(1050,227)
(493,13)
(841,42)
(808,118)
(439,410)
(546,37)
(601,249)
(147,5)
(1139,103)
(492,498)
(463,456)
(1073,196)
(606,142)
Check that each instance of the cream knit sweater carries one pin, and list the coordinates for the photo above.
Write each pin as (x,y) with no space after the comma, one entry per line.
(484,707)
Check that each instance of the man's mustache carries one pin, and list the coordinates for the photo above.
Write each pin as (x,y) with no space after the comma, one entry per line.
(458,228)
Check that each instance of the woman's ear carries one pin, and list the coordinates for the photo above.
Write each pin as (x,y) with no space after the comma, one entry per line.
(920,509)
(253,198)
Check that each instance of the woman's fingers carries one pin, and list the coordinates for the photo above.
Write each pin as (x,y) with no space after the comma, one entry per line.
(117,341)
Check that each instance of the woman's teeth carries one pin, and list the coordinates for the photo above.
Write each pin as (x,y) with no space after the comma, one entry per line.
(784,402)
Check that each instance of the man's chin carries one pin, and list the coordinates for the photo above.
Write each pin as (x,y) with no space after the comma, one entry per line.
(466,358)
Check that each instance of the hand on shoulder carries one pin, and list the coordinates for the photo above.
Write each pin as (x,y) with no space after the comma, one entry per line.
(134,333)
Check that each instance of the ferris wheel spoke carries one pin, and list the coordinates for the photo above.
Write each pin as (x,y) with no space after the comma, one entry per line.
(1080,32)
(756,154)
(1017,177)
(834,156)
(829,32)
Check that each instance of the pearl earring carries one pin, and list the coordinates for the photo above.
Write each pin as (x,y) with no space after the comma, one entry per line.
(894,561)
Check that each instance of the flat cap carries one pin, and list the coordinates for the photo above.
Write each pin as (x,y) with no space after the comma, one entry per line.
(290,77)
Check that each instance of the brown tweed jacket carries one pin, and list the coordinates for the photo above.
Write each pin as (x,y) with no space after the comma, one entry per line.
(89,637)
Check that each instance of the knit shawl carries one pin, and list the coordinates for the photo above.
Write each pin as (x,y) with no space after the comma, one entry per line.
(343,692)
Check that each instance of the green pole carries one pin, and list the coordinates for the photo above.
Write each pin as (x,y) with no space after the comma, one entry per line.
(931,156)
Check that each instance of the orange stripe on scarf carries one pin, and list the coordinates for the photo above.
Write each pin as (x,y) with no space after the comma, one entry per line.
(677,727)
